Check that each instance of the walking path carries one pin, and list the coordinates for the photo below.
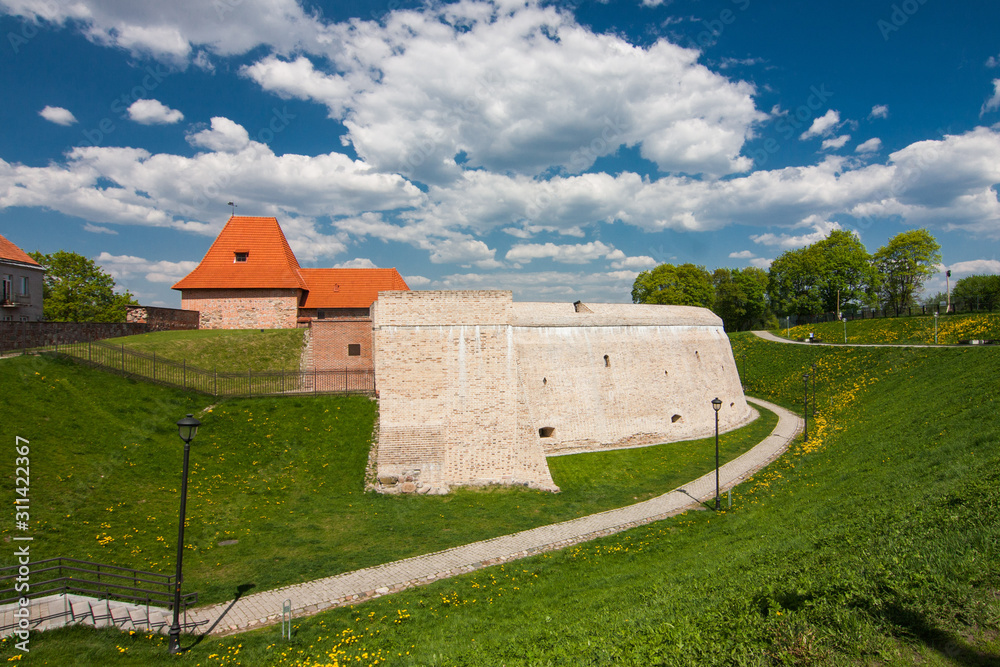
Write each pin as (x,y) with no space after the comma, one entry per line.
(767,335)
(252,611)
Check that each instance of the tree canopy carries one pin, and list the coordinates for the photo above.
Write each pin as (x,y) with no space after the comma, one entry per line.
(981,292)
(682,285)
(76,289)
(741,298)
(905,263)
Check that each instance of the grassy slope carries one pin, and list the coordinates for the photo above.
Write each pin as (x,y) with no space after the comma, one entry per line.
(874,543)
(283,476)
(228,350)
(903,330)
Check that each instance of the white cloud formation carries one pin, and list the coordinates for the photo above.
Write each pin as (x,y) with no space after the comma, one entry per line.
(742,254)
(123,267)
(172,31)
(58,115)
(153,112)
(821,229)
(873,145)
(879,111)
(762,263)
(416,282)
(98,229)
(356,263)
(974,267)
(835,143)
(581,253)
(993,103)
(225,136)
(424,87)
(993,61)
(822,125)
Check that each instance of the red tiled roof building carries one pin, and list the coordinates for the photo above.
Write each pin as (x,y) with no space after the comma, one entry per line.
(250,279)
(20,284)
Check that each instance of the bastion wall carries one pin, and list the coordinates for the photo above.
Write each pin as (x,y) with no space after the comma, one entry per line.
(477,389)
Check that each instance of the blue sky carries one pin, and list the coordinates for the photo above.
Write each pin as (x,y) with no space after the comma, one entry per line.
(551,148)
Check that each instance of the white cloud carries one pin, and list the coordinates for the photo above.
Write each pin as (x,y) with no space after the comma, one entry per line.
(171,31)
(57,115)
(417,281)
(822,125)
(357,263)
(153,112)
(974,267)
(123,267)
(742,254)
(993,61)
(423,86)
(566,254)
(761,263)
(98,229)
(597,286)
(821,229)
(639,263)
(879,111)
(993,103)
(873,145)
(225,136)
(836,143)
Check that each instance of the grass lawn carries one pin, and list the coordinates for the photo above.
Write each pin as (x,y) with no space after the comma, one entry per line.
(875,543)
(903,330)
(229,350)
(284,476)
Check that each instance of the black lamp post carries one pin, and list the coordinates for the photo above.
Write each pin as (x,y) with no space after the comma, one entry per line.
(805,403)
(716,404)
(814,388)
(187,428)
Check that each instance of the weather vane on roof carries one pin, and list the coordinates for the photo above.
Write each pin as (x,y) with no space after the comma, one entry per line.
(234,207)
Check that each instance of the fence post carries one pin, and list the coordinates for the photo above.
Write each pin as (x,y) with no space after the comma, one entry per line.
(314,379)
(154,366)
(89,345)
(216,385)
(185,376)
(250,381)
(123,359)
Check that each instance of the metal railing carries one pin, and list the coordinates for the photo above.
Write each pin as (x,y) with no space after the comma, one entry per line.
(105,582)
(148,366)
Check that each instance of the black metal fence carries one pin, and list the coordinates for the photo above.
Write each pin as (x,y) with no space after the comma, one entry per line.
(148,366)
(81,577)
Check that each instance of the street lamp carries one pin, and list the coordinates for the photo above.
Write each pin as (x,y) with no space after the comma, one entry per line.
(935,327)
(805,403)
(716,404)
(844,318)
(187,428)
(814,388)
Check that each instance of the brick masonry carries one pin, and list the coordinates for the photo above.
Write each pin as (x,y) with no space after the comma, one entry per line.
(21,335)
(475,389)
(331,340)
(243,308)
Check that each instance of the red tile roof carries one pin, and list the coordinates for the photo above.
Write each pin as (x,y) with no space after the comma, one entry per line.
(11,252)
(270,262)
(349,288)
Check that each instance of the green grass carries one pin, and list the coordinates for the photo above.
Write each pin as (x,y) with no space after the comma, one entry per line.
(875,543)
(903,330)
(229,350)
(284,476)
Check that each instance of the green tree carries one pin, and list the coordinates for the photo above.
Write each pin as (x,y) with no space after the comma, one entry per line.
(821,277)
(682,285)
(904,264)
(75,289)
(980,292)
(741,298)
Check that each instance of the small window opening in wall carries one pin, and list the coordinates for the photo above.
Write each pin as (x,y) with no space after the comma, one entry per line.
(354,349)
(667,373)
(607,361)
(675,419)
(320,314)
(545,381)
(546,431)
(240,256)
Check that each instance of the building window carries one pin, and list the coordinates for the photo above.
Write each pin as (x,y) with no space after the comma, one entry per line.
(546,432)
(24,285)
(320,314)
(607,361)
(354,349)
(240,257)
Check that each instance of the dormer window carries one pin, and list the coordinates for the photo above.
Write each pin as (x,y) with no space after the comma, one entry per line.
(240,257)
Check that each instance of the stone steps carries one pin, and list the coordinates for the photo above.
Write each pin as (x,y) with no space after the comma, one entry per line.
(56,611)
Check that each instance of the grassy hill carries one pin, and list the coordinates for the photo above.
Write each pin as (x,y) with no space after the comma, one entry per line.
(874,543)
(226,349)
(903,330)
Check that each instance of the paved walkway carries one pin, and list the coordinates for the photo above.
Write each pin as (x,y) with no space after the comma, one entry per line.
(252,611)
(767,335)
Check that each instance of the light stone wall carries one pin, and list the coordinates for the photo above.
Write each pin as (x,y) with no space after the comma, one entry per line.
(243,308)
(468,378)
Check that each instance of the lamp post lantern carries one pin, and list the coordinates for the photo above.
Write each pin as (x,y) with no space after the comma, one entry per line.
(805,403)
(187,428)
(716,404)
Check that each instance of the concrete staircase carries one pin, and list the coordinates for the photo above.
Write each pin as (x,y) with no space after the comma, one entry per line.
(56,611)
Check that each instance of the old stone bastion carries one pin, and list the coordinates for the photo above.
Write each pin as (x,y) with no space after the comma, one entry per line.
(477,389)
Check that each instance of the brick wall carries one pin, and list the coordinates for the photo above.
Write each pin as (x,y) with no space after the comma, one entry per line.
(20,335)
(163,319)
(467,379)
(330,341)
(243,308)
